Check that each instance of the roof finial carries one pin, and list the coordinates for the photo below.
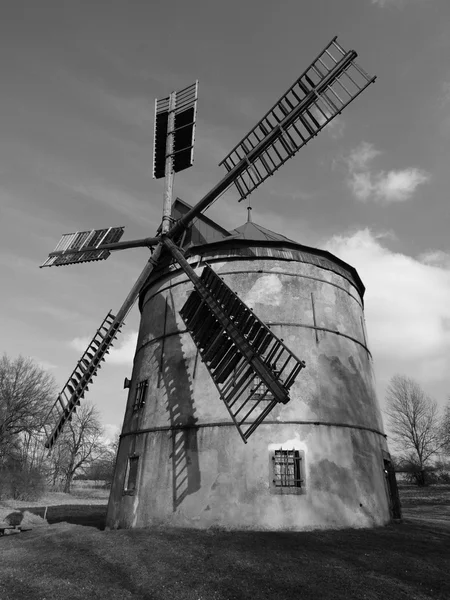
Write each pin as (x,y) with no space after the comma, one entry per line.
(249,213)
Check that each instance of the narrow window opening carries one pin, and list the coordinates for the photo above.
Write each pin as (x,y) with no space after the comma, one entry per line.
(131,474)
(141,395)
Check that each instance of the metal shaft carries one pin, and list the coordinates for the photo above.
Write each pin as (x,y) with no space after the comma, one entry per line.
(139,283)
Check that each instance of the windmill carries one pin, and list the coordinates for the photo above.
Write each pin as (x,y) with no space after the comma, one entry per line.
(252,368)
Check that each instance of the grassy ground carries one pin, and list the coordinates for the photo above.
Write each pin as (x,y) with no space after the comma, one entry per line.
(412,495)
(64,561)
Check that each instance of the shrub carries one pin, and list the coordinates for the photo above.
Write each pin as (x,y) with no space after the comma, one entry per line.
(21,484)
(6,484)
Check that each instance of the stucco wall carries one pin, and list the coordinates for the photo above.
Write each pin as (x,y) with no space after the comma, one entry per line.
(194,469)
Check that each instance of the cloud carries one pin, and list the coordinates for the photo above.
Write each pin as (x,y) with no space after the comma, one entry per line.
(44,364)
(445,97)
(110,432)
(407,306)
(113,197)
(335,127)
(393,186)
(397,3)
(17,262)
(360,157)
(361,185)
(398,185)
(390,186)
(121,354)
(435,258)
(57,312)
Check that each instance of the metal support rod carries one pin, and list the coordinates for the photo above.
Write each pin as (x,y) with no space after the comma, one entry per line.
(168,184)
(138,285)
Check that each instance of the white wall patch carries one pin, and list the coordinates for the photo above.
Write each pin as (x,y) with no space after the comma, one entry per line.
(266,290)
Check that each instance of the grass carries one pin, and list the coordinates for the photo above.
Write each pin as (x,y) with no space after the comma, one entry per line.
(405,561)
(412,495)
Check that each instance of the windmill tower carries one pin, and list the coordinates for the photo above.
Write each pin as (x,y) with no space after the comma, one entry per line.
(224,425)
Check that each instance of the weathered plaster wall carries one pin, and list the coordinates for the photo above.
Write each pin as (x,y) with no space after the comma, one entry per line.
(194,469)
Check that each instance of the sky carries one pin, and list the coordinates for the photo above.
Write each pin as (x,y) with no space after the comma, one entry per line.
(79,82)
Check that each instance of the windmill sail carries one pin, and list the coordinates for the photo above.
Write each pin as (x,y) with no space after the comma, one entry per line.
(250,366)
(324,89)
(81,246)
(185,109)
(77,384)
(89,363)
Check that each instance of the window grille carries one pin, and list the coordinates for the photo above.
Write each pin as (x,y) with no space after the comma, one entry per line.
(287,468)
(132,470)
(141,395)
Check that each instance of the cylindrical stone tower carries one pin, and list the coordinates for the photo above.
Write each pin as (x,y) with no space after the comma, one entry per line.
(181,460)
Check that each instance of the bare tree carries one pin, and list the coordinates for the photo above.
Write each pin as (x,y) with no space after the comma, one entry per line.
(79,445)
(103,467)
(26,393)
(445,430)
(414,423)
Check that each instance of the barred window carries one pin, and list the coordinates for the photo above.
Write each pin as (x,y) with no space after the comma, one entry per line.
(141,395)
(287,469)
(131,474)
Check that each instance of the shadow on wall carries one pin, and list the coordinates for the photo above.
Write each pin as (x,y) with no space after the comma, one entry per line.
(344,393)
(173,375)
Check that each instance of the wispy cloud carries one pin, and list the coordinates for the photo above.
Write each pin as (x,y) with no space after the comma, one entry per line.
(16,262)
(100,192)
(360,157)
(122,354)
(116,199)
(386,2)
(398,185)
(397,3)
(335,127)
(387,186)
(44,364)
(435,258)
(59,313)
(445,93)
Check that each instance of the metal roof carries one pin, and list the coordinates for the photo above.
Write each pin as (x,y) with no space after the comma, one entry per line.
(253,231)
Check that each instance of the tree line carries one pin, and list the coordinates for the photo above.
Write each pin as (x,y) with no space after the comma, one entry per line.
(27,393)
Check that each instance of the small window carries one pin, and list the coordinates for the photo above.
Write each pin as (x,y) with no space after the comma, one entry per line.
(131,475)
(141,395)
(287,470)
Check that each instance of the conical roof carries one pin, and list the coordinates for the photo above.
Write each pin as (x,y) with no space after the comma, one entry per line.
(253,231)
